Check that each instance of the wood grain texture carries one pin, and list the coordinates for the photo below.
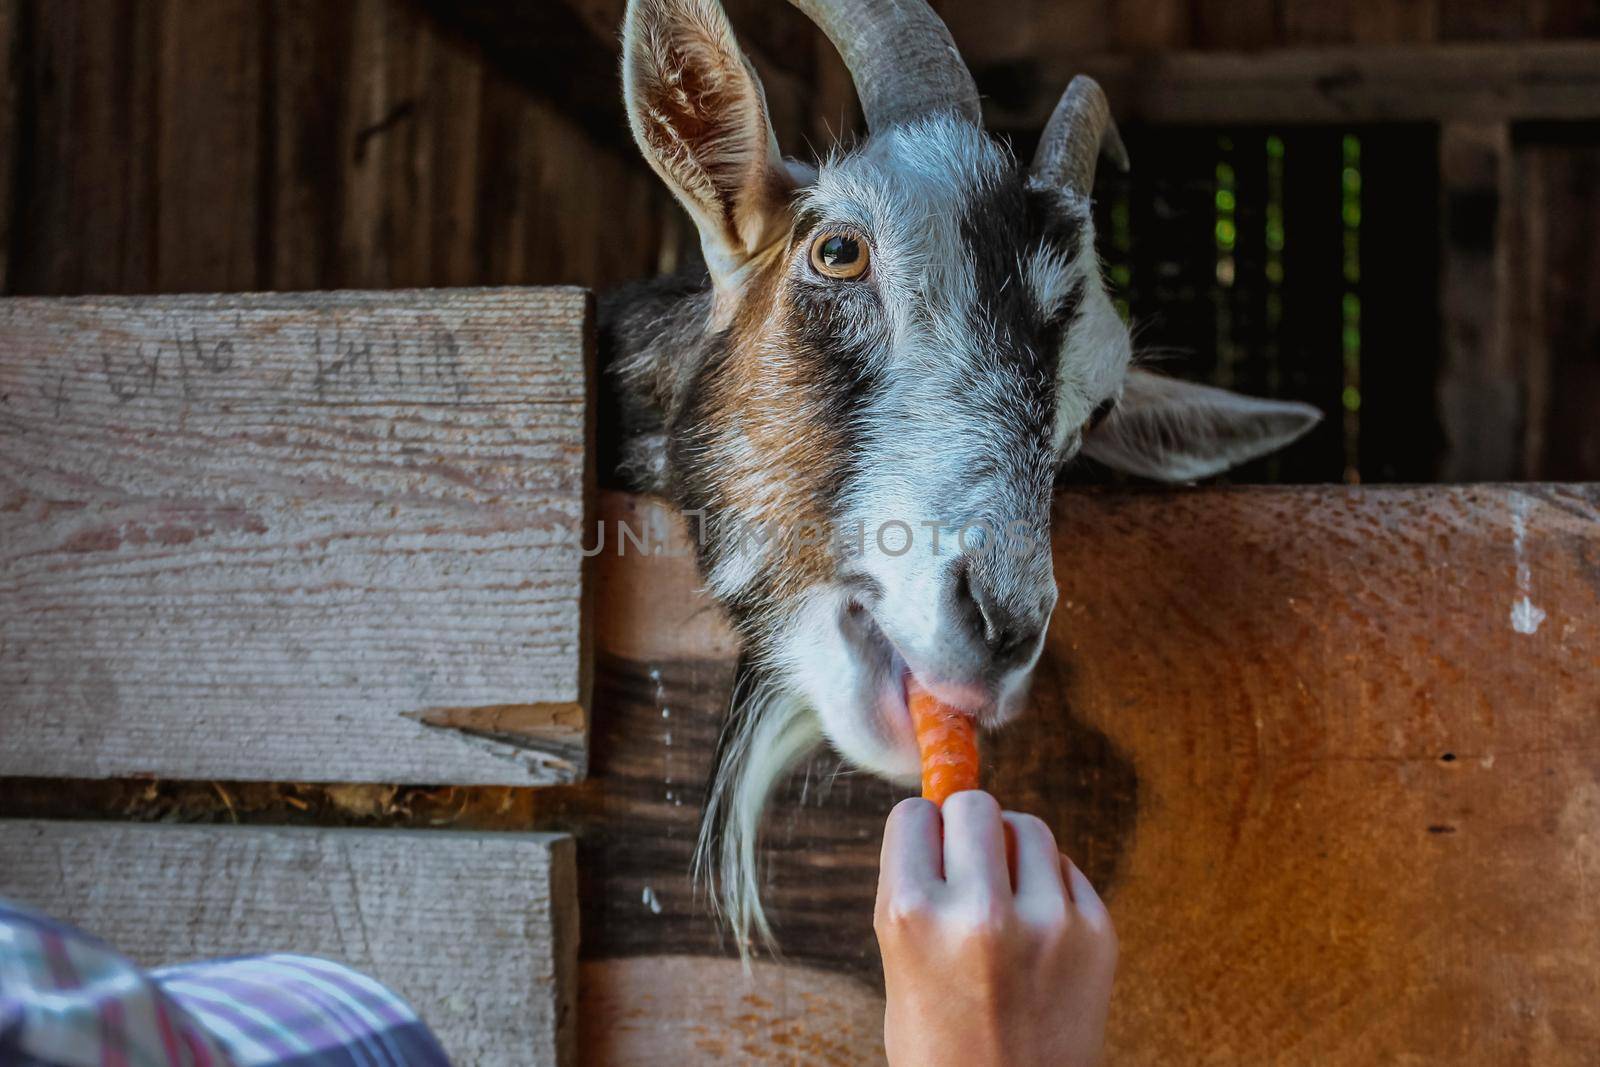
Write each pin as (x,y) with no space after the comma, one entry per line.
(1482,362)
(1151,25)
(476,931)
(207,145)
(1333,755)
(86,77)
(192,145)
(10,108)
(1477,82)
(243,537)
(1555,281)
(688,1009)
(1243,25)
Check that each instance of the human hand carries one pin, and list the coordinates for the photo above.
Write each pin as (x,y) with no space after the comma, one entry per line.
(978,973)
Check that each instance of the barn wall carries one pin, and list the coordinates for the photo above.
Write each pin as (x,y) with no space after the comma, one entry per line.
(1003,28)
(229,145)
(178,145)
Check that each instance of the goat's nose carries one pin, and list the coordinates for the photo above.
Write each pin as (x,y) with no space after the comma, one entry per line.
(1008,625)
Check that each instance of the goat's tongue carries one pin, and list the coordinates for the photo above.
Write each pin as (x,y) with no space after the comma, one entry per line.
(947,740)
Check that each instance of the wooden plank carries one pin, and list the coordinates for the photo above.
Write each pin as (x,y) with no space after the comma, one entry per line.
(1431,83)
(477,931)
(1331,753)
(1565,18)
(369,139)
(1556,281)
(1480,380)
(1485,20)
(1394,21)
(1316,22)
(1243,25)
(690,1009)
(209,147)
(85,199)
(308,86)
(10,108)
(246,537)
(1150,25)
(452,108)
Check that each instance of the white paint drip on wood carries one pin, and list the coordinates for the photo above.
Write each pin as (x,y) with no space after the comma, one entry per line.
(651,901)
(1526,616)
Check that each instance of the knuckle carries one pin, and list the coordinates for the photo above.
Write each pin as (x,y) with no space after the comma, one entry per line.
(912,808)
(970,802)
(1102,933)
(1109,949)
(1033,826)
(902,910)
(1051,917)
(985,923)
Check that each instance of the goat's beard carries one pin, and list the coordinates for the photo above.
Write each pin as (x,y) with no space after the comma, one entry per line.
(769,729)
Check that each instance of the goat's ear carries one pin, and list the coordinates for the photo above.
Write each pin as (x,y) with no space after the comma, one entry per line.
(1177,431)
(700,117)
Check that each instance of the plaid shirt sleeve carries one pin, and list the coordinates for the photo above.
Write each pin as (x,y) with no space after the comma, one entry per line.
(69,1000)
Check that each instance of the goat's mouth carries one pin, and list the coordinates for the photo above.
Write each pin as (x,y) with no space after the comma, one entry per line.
(876,730)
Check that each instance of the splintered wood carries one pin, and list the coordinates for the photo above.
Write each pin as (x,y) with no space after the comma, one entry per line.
(305,537)
(477,931)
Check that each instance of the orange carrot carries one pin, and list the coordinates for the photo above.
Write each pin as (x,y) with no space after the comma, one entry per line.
(948,741)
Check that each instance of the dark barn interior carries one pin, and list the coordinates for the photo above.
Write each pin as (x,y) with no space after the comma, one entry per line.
(1342,810)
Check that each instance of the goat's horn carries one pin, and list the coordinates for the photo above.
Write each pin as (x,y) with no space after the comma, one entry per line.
(900,56)
(1078,131)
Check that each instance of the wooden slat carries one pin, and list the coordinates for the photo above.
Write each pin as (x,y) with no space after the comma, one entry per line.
(261,537)
(477,931)
(1361,84)
(189,146)
(1330,753)
(1555,281)
(1244,25)
(308,87)
(85,82)
(1394,21)
(1480,379)
(1479,20)
(10,107)
(1151,25)
(655,1010)
(207,146)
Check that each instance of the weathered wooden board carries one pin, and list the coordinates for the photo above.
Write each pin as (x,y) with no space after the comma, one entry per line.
(1458,82)
(196,145)
(646,1011)
(477,931)
(10,40)
(1332,754)
(274,536)
(1483,362)
(1554,268)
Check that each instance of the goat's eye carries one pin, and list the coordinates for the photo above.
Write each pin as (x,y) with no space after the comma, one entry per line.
(1105,408)
(839,255)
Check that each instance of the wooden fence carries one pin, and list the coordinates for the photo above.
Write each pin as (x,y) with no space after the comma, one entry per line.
(323,538)
(1331,752)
